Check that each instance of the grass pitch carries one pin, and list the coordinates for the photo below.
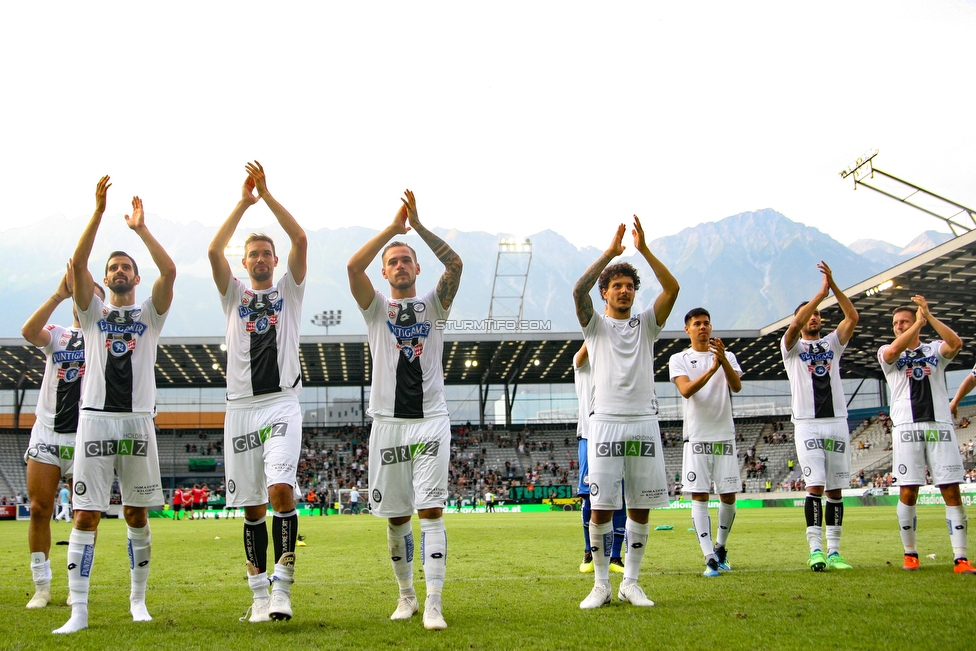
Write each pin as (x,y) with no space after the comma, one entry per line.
(513,583)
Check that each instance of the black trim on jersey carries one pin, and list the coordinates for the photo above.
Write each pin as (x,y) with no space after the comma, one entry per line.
(920,391)
(265,376)
(69,393)
(118,369)
(823,394)
(408,401)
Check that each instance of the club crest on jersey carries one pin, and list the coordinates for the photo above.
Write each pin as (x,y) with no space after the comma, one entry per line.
(694,363)
(261,324)
(419,307)
(634,322)
(408,351)
(71,373)
(818,358)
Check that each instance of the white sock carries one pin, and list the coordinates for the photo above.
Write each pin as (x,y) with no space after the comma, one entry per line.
(433,551)
(907,522)
(636,544)
(140,552)
(815,538)
(283,578)
(601,543)
(81,558)
(259,585)
(958,525)
(399,538)
(726,516)
(41,570)
(703,525)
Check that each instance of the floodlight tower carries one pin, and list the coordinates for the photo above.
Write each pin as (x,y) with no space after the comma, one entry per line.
(327,318)
(511,276)
(865,173)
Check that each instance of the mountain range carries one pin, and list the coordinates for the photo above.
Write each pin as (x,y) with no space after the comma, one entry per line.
(748,270)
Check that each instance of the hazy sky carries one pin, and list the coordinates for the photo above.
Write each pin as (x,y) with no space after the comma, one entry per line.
(502,116)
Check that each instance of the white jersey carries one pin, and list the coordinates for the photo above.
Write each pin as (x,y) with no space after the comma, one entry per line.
(262,338)
(918,385)
(120,356)
(708,413)
(813,367)
(622,354)
(60,395)
(406,347)
(583,379)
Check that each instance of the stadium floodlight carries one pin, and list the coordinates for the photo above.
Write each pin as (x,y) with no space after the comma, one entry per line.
(877,289)
(327,319)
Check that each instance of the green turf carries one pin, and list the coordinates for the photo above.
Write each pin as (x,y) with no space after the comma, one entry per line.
(513,584)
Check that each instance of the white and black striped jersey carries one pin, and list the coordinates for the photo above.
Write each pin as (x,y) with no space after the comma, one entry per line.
(407,346)
(262,338)
(918,385)
(120,356)
(60,395)
(622,354)
(813,368)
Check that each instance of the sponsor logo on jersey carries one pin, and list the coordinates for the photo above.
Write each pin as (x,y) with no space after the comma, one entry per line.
(818,358)
(828,445)
(245,311)
(912,358)
(404,453)
(625,449)
(717,449)
(926,436)
(411,331)
(122,328)
(253,440)
(67,356)
(419,307)
(112,447)
(634,322)
(694,363)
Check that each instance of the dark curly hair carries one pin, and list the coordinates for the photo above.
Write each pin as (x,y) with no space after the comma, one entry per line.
(619,269)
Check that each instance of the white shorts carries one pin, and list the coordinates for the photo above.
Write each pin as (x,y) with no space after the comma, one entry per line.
(823,451)
(915,444)
(629,450)
(262,445)
(51,448)
(706,462)
(109,443)
(408,465)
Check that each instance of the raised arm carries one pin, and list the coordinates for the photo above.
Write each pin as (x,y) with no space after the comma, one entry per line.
(218,261)
(845,329)
(359,283)
(581,291)
(802,316)
(447,286)
(298,255)
(901,343)
(34,330)
(162,291)
(688,387)
(951,343)
(669,284)
(963,391)
(81,276)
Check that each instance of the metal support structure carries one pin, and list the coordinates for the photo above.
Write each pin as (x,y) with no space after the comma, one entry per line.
(511,276)
(865,173)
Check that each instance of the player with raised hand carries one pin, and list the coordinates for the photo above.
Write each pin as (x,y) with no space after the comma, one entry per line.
(923,431)
(407,403)
(50,452)
(115,428)
(263,427)
(624,439)
(820,416)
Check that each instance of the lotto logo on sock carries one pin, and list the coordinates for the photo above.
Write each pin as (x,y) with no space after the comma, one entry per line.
(625,449)
(404,453)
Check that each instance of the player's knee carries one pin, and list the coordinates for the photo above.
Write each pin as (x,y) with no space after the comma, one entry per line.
(86,520)
(40,511)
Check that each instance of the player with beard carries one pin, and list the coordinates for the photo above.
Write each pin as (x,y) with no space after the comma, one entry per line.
(115,428)
(923,431)
(624,441)
(820,417)
(51,450)
(263,426)
(704,374)
(409,445)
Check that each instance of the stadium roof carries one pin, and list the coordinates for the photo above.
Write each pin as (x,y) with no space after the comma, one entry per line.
(943,275)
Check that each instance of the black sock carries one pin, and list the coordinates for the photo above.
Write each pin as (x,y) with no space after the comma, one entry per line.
(813,509)
(834,513)
(285,529)
(256,543)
